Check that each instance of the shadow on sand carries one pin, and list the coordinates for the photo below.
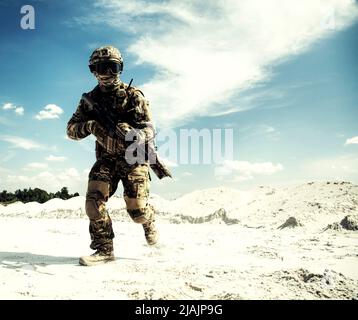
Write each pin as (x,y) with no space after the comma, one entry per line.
(16,260)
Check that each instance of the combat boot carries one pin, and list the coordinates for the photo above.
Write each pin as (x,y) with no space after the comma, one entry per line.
(151,233)
(98,257)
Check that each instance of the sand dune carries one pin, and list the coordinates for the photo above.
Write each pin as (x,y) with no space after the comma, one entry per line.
(295,242)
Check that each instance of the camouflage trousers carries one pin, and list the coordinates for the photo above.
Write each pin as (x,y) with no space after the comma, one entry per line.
(104,177)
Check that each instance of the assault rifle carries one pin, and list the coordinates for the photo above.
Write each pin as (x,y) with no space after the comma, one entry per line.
(148,148)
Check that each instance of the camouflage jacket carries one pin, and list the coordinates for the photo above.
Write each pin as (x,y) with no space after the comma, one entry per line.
(135,112)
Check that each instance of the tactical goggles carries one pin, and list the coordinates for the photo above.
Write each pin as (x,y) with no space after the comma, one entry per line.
(102,67)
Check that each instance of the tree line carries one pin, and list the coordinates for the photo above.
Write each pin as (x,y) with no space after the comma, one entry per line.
(38,195)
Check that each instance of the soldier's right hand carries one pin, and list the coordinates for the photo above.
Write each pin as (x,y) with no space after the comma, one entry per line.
(92,126)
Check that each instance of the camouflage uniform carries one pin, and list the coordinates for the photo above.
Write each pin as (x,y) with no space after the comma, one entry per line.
(111,168)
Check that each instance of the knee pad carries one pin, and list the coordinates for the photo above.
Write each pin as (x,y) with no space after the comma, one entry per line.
(142,215)
(96,197)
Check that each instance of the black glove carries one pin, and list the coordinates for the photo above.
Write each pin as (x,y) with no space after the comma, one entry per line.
(92,126)
(111,145)
(134,135)
(122,129)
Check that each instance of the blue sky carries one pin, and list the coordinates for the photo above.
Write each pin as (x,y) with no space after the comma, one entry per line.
(283,75)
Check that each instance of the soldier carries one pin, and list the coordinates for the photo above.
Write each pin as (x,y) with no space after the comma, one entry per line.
(127,107)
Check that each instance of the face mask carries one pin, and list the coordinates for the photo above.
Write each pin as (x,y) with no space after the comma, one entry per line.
(107,81)
(107,74)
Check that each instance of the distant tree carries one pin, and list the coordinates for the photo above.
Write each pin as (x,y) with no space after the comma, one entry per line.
(40,195)
(64,193)
(4,196)
(37,194)
(7,197)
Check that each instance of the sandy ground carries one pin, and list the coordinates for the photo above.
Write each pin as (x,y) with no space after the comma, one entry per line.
(39,260)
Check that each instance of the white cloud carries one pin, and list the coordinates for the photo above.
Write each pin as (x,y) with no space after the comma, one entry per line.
(19,111)
(259,131)
(46,175)
(72,173)
(54,158)
(342,167)
(205,53)
(244,170)
(21,143)
(187,174)
(66,176)
(35,166)
(51,111)
(10,106)
(3,170)
(7,156)
(270,129)
(49,180)
(353,140)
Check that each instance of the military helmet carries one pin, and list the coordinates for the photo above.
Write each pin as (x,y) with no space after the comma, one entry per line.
(106,54)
